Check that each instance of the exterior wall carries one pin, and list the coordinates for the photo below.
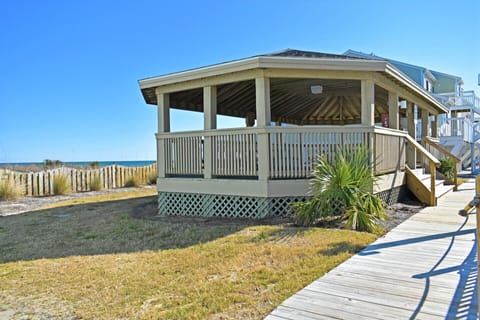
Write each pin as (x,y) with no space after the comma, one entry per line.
(237,187)
(390,181)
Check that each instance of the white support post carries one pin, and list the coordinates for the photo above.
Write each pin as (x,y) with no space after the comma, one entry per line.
(163,103)
(434,127)
(210,107)
(393,114)
(262,95)
(412,131)
(424,115)
(368,102)
(210,122)
(454,123)
(368,115)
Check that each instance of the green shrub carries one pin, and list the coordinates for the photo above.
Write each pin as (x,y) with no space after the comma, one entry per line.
(96,183)
(152,179)
(9,191)
(61,185)
(447,167)
(52,163)
(343,188)
(132,181)
(94,164)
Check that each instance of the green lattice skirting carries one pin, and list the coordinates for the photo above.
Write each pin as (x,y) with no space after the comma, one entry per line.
(208,205)
(211,205)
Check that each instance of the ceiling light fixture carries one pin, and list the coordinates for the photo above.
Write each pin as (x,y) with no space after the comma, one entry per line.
(317,89)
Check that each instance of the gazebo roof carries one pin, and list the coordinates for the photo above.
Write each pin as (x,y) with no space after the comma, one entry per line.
(309,54)
(292,73)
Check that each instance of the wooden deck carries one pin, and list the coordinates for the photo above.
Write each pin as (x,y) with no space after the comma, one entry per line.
(426,268)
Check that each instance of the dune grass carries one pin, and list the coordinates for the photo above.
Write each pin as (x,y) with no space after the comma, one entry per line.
(61,185)
(114,259)
(96,183)
(132,181)
(9,191)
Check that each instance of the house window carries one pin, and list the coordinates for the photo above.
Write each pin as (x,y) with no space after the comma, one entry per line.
(427,85)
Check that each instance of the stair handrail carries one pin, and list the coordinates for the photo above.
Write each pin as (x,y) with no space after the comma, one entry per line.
(422,150)
(448,154)
(433,162)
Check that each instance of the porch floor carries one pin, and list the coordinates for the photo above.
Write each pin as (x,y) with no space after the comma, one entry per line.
(425,268)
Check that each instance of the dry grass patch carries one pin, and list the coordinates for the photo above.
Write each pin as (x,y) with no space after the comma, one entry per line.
(123,195)
(104,262)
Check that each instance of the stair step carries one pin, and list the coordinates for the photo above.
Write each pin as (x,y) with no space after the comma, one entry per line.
(425,178)
(438,182)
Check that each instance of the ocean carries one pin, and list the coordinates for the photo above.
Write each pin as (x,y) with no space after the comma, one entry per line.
(136,163)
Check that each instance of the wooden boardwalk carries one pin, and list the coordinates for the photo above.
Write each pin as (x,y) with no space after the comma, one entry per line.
(426,268)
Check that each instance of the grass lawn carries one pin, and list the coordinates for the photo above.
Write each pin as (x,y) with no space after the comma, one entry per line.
(101,259)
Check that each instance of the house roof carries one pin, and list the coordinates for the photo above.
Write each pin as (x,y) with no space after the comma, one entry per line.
(372,56)
(292,72)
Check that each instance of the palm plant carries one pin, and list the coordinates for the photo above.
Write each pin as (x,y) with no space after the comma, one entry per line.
(343,188)
(447,167)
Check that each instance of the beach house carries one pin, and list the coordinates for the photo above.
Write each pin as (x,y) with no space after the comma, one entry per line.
(297,105)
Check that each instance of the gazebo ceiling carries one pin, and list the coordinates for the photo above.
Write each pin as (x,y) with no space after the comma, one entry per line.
(291,100)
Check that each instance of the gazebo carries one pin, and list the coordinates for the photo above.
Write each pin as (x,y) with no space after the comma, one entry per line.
(297,105)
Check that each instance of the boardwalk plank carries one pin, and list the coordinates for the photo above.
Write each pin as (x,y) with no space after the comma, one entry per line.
(424,268)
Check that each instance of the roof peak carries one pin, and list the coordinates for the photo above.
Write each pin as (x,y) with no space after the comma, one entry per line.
(309,54)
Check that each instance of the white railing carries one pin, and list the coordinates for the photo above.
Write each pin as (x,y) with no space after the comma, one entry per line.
(454,127)
(293,150)
(290,152)
(234,154)
(466,98)
(184,155)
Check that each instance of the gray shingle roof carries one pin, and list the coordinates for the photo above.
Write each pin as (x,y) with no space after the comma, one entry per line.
(309,54)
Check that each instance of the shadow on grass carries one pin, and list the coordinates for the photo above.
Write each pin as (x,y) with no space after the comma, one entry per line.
(341,247)
(120,226)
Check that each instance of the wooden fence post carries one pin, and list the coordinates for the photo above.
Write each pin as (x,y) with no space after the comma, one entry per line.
(41,183)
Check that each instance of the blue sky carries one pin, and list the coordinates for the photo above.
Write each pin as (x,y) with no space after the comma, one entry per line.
(69,69)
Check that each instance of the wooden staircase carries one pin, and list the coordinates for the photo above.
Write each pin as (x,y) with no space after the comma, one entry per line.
(419,184)
(427,187)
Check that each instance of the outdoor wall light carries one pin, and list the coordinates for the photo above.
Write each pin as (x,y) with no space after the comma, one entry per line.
(316,89)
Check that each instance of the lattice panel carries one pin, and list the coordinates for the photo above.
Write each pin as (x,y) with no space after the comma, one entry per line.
(281,206)
(207,205)
(393,195)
